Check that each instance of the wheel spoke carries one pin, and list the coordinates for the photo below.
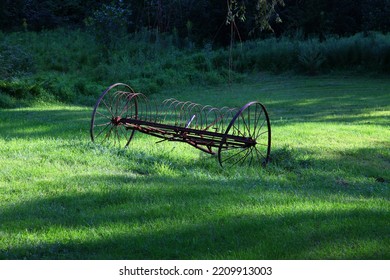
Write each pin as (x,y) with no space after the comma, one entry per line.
(257,121)
(117,98)
(249,122)
(108,108)
(261,154)
(124,134)
(102,130)
(107,117)
(257,136)
(265,145)
(103,124)
(125,104)
(244,157)
(108,135)
(250,162)
(245,124)
(125,107)
(239,152)
(238,130)
(257,155)
(261,133)
(117,134)
(116,103)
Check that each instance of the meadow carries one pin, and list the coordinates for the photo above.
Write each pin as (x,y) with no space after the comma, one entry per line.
(324,195)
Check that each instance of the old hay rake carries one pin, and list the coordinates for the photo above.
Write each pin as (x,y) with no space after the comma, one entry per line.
(236,135)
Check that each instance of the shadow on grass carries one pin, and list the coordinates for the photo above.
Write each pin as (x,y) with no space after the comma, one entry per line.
(352,107)
(160,217)
(345,108)
(34,123)
(147,216)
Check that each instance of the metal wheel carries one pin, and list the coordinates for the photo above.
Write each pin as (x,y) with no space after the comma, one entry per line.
(252,123)
(114,105)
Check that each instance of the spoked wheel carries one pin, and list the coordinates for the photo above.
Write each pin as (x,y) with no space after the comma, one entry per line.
(247,139)
(116,103)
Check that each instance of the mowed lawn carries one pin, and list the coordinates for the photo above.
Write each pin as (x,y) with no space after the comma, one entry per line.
(325,194)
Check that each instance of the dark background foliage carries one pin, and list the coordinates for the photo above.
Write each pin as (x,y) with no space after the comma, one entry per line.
(203,21)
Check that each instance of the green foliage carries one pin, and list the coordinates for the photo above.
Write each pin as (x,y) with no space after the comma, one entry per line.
(109,23)
(359,53)
(367,53)
(276,55)
(23,92)
(196,22)
(74,68)
(15,60)
(20,88)
(265,11)
(311,58)
(6,101)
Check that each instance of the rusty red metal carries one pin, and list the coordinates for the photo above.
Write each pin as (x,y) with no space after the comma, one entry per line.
(237,135)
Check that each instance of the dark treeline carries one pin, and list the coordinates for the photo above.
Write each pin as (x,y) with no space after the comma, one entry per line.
(201,21)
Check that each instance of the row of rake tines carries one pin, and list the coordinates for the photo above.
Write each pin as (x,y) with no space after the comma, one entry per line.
(182,114)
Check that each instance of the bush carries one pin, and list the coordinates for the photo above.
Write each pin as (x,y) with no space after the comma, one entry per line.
(356,53)
(7,101)
(15,61)
(367,53)
(311,58)
(108,23)
(18,89)
(21,92)
(275,55)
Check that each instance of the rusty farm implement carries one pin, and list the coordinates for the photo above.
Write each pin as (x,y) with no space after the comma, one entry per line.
(236,135)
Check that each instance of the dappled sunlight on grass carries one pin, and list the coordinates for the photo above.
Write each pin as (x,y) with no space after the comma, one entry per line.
(161,231)
(324,195)
(57,121)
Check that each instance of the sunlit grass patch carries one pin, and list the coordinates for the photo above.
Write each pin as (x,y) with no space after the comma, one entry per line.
(324,195)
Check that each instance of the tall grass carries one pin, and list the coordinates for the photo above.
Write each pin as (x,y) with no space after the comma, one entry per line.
(363,53)
(73,67)
(368,53)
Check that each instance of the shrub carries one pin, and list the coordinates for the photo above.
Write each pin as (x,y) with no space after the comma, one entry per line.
(109,23)
(15,61)
(7,101)
(276,55)
(311,58)
(20,92)
(17,89)
(367,53)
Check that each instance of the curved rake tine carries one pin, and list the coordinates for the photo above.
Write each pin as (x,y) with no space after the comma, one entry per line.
(241,135)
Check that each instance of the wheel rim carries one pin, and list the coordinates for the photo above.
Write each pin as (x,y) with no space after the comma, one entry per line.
(113,106)
(251,122)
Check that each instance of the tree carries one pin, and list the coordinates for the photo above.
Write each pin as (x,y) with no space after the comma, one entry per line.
(265,12)
(375,15)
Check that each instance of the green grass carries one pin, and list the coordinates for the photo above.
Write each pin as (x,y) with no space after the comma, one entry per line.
(325,194)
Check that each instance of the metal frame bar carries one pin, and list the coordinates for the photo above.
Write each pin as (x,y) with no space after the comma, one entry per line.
(200,139)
